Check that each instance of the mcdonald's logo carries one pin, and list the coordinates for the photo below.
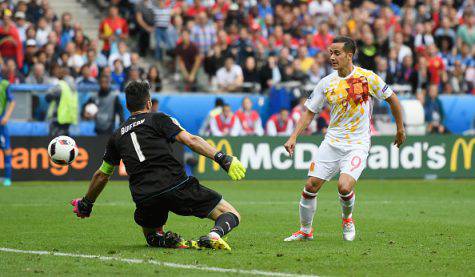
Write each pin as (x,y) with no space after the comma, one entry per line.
(222,145)
(467,152)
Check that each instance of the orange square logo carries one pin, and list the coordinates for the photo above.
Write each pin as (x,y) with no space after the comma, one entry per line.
(312,166)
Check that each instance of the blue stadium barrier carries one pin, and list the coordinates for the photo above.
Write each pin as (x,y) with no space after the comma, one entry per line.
(191,109)
(459,112)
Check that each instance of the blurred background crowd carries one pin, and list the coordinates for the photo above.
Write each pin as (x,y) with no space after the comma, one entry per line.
(421,48)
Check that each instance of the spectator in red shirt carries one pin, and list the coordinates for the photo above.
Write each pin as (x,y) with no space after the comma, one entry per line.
(10,43)
(112,28)
(323,38)
(250,120)
(195,9)
(436,66)
(280,124)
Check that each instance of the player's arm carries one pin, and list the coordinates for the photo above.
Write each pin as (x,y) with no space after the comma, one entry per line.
(396,110)
(314,105)
(8,112)
(230,164)
(83,206)
(10,107)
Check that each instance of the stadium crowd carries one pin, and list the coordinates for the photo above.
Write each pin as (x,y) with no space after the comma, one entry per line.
(422,48)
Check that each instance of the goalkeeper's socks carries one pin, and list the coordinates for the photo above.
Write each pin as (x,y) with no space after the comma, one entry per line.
(347,203)
(224,224)
(307,209)
(8,166)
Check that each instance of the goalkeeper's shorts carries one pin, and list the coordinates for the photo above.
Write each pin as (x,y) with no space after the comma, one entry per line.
(189,199)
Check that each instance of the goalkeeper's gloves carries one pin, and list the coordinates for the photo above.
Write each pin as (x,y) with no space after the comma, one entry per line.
(231,165)
(82,207)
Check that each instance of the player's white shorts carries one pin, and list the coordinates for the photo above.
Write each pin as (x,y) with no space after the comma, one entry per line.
(331,160)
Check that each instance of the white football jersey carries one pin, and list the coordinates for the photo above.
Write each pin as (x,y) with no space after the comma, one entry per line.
(350,105)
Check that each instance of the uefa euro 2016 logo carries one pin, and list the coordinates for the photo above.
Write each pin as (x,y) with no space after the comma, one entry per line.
(467,153)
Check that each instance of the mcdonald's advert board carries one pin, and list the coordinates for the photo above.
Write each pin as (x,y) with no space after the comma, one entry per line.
(420,157)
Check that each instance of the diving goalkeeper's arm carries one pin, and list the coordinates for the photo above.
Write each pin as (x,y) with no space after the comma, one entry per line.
(83,206)
(230,164)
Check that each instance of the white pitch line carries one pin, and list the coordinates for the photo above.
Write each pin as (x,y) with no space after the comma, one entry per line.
(154,262)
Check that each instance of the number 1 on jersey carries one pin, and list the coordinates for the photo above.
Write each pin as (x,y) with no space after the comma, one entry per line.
(136,144)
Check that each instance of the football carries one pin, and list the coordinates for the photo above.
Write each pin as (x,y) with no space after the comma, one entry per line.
(62,150)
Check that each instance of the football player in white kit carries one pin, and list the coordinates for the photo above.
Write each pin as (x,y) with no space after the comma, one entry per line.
(347,91)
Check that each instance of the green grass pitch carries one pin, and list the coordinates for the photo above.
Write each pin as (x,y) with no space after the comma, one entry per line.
(404,227)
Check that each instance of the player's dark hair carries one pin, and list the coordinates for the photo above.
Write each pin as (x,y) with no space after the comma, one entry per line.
(349,45)
(136,95)
(219,102)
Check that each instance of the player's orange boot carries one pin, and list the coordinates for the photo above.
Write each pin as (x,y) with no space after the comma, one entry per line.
(349,231)
(300,235)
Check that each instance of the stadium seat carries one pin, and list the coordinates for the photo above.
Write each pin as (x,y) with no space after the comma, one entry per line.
(413,115)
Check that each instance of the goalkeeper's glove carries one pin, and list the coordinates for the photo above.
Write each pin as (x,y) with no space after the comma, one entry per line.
(231,165)
(82,207)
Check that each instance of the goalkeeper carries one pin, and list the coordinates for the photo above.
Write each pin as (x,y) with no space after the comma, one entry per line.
(158,181)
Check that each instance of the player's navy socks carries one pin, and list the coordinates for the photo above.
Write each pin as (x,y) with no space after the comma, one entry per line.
(8,166)
(225,223)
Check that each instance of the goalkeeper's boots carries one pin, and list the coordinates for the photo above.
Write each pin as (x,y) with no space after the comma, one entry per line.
(349,231)
(173,240)
(213,243)
(300,235)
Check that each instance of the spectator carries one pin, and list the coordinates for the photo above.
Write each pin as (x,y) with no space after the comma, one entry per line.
(109,108)
(203,33)
(205,128)
(112,29)
(133,74)
(30,56)
(280,124)
(436,66)
(323,38)
(118,74)
(382,71)
(401,49)
(63,98)
(306,62)
(38,76)
(65,29)
(85,81)
(445,31)
(42,32)
(11,73)
(154,80)
(457,79)
(189,61)
(249,119)
(270,74)
(250,75)
(162,16)
(423,36)
(466,32)
(213,61)
(407,75)
(155,105)
(230,77)
(144,15)
(225,123)
(434,113)
(297,112)
(11,46)
(21,24)
(367,51)
(122,54)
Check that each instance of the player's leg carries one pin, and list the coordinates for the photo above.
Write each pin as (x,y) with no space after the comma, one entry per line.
(346,185)
(225,217)
(7,155)
(352,165)
(323,169)
(194,199)
(307,209)
(152,217)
